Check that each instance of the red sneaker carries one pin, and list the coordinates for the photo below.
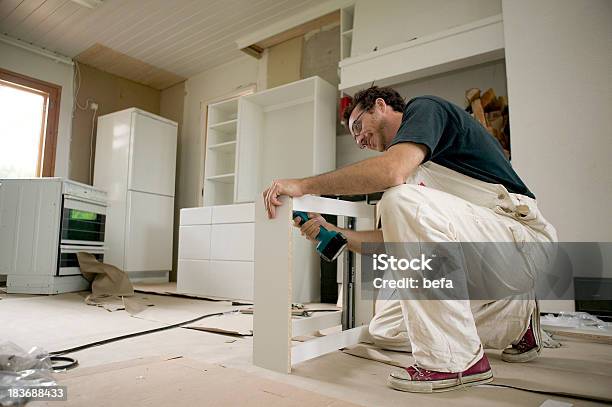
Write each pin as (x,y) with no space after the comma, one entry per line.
(419,380)
(527,348)
(530,345)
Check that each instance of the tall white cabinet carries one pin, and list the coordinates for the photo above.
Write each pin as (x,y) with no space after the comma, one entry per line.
(136,163)
(285,132)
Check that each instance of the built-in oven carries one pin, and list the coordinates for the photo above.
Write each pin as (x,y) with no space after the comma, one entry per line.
(82,229)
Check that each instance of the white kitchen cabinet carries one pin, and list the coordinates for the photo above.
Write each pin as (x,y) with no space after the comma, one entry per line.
(285,132)
(136,163)
(249,140)
(216,251)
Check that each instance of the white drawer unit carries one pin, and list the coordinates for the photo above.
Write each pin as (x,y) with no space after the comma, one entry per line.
(216,251)
(216,254)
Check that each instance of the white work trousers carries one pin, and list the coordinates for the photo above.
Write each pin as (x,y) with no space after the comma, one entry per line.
(441,205)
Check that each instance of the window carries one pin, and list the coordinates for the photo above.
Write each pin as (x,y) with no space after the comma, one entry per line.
(29,115)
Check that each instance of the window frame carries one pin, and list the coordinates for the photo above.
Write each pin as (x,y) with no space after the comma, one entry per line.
(45,166)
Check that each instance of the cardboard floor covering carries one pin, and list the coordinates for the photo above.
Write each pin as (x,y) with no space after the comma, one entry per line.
(59,322)
(577,369)
(179,382)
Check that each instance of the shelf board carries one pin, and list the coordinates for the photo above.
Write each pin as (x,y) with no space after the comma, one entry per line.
(223,178)
(227,106)
(347,32)
(456,48)
(227,147)
(228,126)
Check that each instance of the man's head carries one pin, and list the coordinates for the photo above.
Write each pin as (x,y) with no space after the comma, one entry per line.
(374,116)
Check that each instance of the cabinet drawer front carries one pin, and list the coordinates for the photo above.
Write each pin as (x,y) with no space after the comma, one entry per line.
(233,241)
(232,279)
(233,213)
(196,216)
(190,276)
(194,242)
(226,279)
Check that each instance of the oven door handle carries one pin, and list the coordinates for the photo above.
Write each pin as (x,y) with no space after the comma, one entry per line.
(86,249)
(84,205)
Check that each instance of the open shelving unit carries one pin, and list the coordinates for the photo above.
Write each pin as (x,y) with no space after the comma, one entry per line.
(285,132)
(346,30)
(220,162)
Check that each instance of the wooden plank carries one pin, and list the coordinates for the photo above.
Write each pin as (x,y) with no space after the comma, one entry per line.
(272,288)
(315,322)
(321,346)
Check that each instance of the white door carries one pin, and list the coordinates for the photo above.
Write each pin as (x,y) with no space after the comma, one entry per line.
(148,242)
(152,155)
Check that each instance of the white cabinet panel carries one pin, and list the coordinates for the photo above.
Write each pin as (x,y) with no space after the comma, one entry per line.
(227,279)
(233,241)
(196,216)
(232,279)
(233,213)
(149,232)
(194,242)
(191,276)
(153,155)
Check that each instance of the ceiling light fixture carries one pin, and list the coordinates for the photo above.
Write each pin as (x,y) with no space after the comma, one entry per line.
(88,3)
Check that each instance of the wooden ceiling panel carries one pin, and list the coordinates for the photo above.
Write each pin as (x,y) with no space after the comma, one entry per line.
(180,37)
(116,63)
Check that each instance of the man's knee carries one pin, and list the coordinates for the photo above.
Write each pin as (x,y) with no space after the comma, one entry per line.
(400,194)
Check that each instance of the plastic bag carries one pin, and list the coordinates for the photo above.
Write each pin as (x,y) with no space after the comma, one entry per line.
(575,320)
(21,369)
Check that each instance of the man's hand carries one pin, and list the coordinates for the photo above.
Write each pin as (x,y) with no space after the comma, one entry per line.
(289,187)
(310,229)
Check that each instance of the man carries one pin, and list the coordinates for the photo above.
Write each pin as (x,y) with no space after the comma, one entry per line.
(445,180)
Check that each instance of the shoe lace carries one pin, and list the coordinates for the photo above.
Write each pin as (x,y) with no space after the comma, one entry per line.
(460,378)
(418,371)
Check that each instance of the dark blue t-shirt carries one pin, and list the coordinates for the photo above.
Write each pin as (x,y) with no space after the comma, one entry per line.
(456,140)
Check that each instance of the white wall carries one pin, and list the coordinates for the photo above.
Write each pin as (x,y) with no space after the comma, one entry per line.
(389,22)
(558,59)
(207,86)
(25,62)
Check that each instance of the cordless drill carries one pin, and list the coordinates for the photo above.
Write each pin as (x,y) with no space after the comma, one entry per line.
(330,243)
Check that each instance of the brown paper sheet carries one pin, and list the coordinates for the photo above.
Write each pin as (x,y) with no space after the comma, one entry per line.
(577,369)
(180,382)
(105,278)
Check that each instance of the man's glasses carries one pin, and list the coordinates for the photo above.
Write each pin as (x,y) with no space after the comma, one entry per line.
(356,128)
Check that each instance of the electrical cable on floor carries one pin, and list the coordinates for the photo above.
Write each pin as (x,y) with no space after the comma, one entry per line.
(69,363)
(552,393)
(135,334)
